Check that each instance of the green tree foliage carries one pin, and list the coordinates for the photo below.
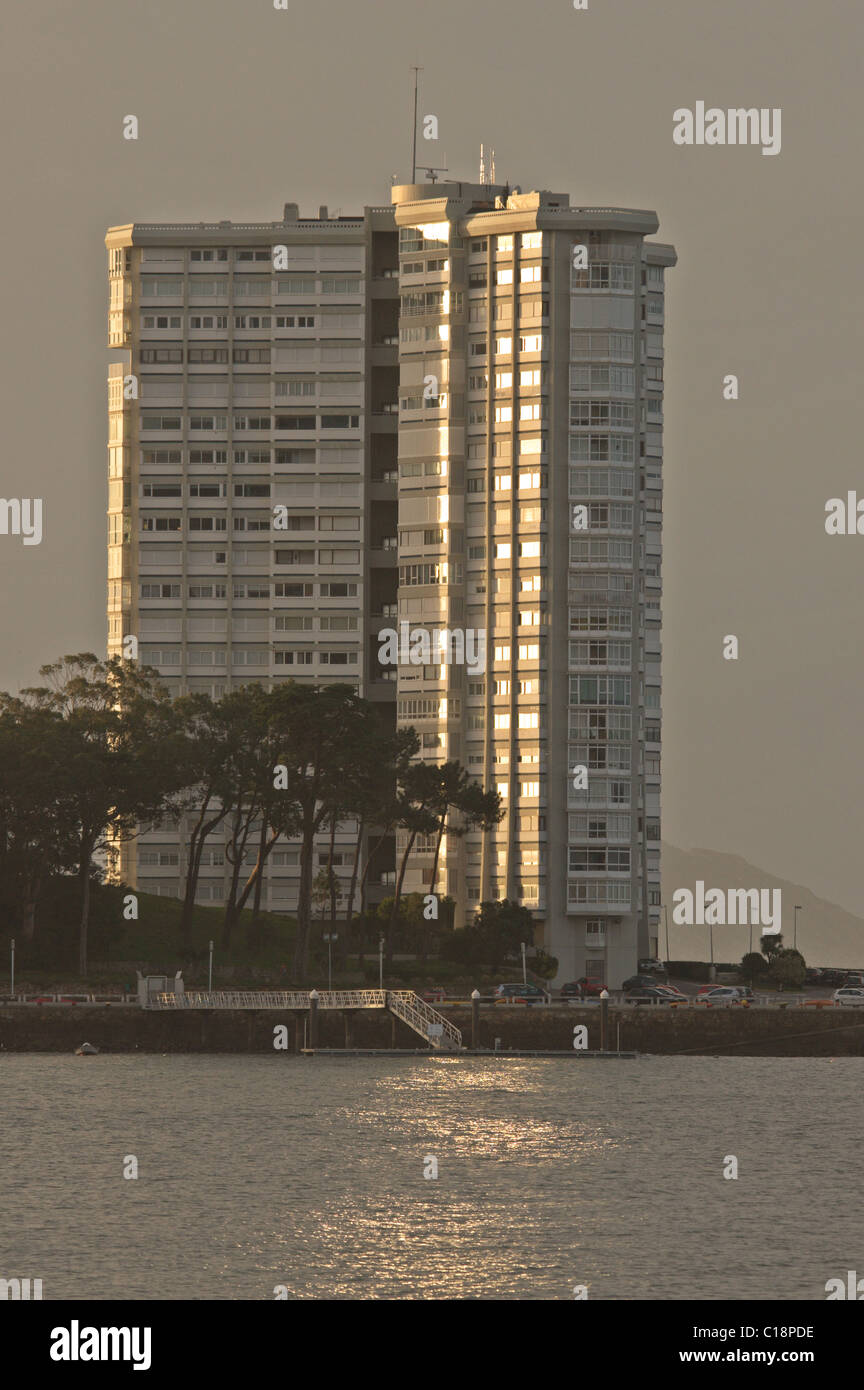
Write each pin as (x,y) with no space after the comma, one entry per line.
(787,969)
(753,966)
(497,932)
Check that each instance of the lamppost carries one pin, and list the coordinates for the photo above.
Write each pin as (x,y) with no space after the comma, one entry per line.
(524,966)
(795,929)
(380,962)
(210,971)
(666,920)
(330,937)
(12,989)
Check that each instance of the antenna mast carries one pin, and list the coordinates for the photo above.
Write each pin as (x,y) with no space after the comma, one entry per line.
(416,72)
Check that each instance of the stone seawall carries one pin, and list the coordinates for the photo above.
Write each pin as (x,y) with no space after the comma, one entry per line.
(792,1032)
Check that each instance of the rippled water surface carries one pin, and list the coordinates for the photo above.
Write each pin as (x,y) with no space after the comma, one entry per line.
(256,1172)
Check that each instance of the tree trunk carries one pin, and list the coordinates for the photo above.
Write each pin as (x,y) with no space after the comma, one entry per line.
(355,872)
(238,849)
(441,825)
(197,840)
(331,877)
(301,945)
(394,912)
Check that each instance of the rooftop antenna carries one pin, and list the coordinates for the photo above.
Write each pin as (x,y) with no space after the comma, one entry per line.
(482,163)
(491,166)
(432,173)
(417,71)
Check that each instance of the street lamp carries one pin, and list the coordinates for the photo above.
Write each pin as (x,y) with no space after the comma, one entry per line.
(795,930)
(330,937)
(524,966)
(381,962)
(210,971)
(666,920)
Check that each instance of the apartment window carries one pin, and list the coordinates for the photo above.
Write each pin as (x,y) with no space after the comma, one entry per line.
(337,658)
(155,286)
(206,656)
(293,658)
(160,590)
(340,422)
(338,590)
(208,354)
(202,288)
(160,523)
(150,355)
(504,243)
(160,490)
(251,489)
(208,422)
(206,590)
(206,489)
(295,557)
(253,422)
(217,456)
(295,320)
(254,590)
(337,622)
(199,321)
(150,456)
(283,590)
(251,354)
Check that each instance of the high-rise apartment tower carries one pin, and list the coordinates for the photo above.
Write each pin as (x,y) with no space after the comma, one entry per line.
(467,386)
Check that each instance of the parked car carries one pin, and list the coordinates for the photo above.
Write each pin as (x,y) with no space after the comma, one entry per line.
(649,994)
(854,979)
(833,977)
(650,965)
(851,997)
(676,995)
(582,989)
(726,994)
(639,982)
(520,994)
(814,976)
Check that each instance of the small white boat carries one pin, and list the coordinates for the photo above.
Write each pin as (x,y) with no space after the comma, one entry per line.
(86,1050)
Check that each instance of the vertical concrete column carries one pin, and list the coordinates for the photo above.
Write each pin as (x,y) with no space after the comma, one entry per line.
(313,1018)
(475,1018)
(604,1020)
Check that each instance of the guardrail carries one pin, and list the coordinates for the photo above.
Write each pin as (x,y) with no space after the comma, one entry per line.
(432,1026)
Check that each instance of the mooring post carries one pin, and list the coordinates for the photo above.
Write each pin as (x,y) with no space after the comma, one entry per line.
(313,1018)
(604,1020)
(475,1018)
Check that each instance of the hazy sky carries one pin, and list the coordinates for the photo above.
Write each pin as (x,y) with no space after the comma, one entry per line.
(243,107)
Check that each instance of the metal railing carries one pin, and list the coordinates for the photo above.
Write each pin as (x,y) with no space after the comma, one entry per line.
(404,1003)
